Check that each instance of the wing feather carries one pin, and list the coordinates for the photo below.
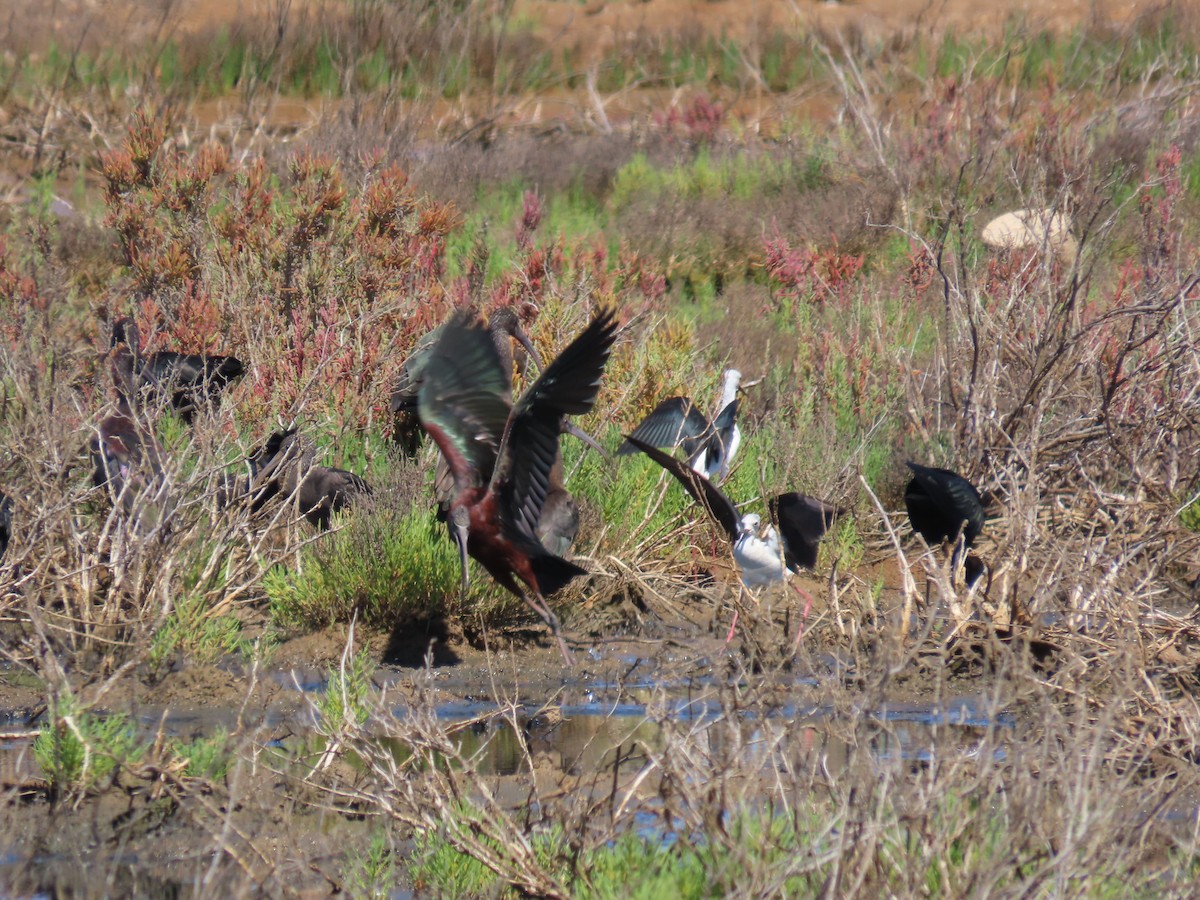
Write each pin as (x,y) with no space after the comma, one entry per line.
(674,421)
(802,522)
(710,497)
(463,400)
(939,501)
(567,387)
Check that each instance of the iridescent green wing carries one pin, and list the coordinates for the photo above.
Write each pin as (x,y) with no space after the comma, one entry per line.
(464,400)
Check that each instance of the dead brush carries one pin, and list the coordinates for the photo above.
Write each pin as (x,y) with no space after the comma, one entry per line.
(1072,391)
(93,582)
(754,788)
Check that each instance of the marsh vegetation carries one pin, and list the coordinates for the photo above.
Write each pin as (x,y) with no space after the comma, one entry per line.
(206,698)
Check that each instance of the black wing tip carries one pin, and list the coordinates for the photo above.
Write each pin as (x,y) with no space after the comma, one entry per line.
(668,462)
(631,441)
(603,329)
(803,557)
(231,367)
(553,573)
(606,318)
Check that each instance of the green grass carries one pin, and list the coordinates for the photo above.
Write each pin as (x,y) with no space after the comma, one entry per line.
(569,217)
(624,492)
(339,54)
(1031,58)
(78,750)
(741,175)
(769,849)
(385,569)
(193,627)
(940,851)
(370,871)
(1190,516)
(344,700)
(207,757)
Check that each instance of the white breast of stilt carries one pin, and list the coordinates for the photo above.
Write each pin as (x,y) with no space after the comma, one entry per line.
(730,381)
(759,557)
(720,465)
(713,463)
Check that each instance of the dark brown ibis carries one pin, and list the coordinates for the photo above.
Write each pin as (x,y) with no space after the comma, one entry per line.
(127,457)
(942,507)
(283,466)
(560,519)
(503,326)
(184,381)
(501,457)
(709,446)
(559,522)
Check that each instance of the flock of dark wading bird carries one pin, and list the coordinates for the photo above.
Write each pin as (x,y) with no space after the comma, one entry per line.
(499,484)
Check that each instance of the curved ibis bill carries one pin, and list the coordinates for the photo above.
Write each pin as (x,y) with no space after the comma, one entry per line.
(501,456)
(709,446)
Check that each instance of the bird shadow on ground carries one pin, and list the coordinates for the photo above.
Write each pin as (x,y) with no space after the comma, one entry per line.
(411,642)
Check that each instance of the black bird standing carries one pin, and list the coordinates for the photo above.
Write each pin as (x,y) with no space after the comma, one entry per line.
(942,505)
(5,522)
(500,458)
(186,381)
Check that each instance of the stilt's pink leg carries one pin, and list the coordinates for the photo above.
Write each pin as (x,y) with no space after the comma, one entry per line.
(808,602)
(732,628)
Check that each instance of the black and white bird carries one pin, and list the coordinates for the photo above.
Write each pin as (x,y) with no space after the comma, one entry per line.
(710,446)
(942,507)
(764,555)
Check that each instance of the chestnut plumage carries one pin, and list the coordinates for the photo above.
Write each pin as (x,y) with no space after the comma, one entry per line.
(501,456)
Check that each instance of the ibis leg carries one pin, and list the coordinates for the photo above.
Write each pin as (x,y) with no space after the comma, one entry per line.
(538,604)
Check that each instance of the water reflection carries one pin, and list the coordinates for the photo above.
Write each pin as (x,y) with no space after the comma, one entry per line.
(586,738)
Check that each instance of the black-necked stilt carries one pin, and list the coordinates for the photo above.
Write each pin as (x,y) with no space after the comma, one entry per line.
(763,555)
(710,446)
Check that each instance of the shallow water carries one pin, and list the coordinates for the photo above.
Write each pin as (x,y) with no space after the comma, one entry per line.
(581,732)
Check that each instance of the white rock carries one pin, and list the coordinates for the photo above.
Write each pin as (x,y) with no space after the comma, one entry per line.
(1032,229)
